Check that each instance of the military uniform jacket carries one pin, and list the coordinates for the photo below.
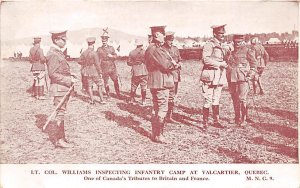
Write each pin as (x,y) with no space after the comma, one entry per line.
(240,62)
(59,72)
(90,63)
(213,54)
(136,59)
(261,55)
(159,66)
(107,63)
(174,53)
(37,59)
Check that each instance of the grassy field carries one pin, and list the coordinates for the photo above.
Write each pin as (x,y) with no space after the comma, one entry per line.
(119,132)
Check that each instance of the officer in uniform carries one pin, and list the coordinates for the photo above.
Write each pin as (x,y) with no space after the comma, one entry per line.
(241,68)
(91,69)
(213,74)
(61,82)
(107,55)
(262,58)
(139,71)
(38,60)
(160,79)
(175,55)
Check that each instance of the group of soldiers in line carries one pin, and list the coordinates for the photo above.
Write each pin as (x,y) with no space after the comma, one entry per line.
(158,68)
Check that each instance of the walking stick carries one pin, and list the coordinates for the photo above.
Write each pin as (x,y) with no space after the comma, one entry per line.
(255,107)
(46,83)
(58,106)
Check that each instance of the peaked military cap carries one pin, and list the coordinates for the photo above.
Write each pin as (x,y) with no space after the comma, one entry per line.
(105,36)
(170,35)
(219,28)
(91,40)
(238,37)
(59,34)
(37,40)
(138,42)
(155,29)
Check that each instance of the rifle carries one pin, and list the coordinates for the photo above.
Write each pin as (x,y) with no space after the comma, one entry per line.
(58,106)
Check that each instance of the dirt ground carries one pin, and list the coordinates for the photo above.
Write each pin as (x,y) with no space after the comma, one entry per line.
(119,132)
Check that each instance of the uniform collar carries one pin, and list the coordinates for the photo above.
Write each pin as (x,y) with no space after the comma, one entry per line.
(215,40)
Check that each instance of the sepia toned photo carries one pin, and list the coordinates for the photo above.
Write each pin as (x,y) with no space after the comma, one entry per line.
(149,82)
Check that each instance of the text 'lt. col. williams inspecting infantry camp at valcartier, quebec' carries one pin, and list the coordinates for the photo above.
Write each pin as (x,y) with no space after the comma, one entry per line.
(149,83)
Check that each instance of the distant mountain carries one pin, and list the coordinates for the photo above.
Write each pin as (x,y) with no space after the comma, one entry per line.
(79,37)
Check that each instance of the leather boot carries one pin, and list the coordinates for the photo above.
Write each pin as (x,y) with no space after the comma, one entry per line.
(143,94)
(132,96)
(216,116)
(34,92)
(107,91)
(161,125)
(243,113)
(254,86)
(155,128)
(205,112)
(169,118)
(62,142)
(42,93)
(117,89)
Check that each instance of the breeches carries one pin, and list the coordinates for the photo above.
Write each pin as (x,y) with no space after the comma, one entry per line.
(60,111)
(211,94)
(139,80)
(172,94)
(239,91)
(112,74)
(160,102)
(94,79)
(39,77)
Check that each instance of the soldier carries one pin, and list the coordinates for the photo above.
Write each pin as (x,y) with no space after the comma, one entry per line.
(160,79)
(213,74)
(139,72)
(38,60)
(107,56)
(91,70)
(174,53)
(61,82)
(241,67)
(262,58)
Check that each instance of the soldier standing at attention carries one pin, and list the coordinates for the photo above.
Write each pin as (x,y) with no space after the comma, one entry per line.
(91,69)
(107,55)
(262,58)
(160,79)
(38,60)
(61,82)
(213,74)
(139,71)
(241,68)
(174,53)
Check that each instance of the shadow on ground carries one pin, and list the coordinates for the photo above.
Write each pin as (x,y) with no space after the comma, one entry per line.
(277,148)
(127,121)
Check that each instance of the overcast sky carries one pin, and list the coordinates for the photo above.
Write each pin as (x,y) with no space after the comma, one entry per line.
(26,19)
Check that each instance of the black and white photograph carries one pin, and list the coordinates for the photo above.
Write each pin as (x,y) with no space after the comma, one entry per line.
(160,83)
